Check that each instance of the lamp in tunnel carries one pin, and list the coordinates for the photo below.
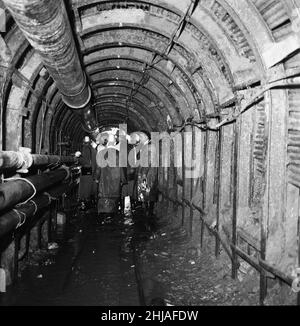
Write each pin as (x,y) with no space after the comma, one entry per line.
(133,139)
(137,137)
(111,139)
(86,139)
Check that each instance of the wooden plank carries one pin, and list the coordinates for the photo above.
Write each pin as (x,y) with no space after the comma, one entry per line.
(183,178)
(235,195)
(205,203)
(218,158)
(260,265)
(298,296)
(192,183)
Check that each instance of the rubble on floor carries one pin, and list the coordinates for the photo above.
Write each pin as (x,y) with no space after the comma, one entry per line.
(174,268)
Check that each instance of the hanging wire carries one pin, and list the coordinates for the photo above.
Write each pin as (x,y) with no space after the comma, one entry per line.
(148,66)
(27,181)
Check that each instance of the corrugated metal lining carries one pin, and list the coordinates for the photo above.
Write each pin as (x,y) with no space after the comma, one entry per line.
(259,140)
(231,27)
(293,145)
(157,9)
(259,154)
(276,17)
(273,12)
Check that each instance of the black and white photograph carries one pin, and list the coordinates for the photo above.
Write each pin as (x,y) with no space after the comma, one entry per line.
(149,157)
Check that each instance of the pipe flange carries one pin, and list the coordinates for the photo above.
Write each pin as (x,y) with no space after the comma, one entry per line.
(72,100)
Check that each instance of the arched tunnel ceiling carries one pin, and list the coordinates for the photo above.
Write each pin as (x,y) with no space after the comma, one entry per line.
(191,56)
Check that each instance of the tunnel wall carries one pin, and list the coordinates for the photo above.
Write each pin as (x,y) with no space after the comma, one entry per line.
(248,186)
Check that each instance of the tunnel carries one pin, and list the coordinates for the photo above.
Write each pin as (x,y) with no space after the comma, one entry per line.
(198,101)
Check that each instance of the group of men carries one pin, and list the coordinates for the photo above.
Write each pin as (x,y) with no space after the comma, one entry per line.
(108,187)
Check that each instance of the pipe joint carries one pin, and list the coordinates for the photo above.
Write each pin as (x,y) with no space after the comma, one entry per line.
(27,159)
(79,100)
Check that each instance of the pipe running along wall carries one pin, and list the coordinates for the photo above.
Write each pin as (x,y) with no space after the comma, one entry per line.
(22,214)
(23,160)
(17,217)
(18,190)
(46,26)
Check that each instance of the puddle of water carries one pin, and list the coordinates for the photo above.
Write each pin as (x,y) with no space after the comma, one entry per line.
(91,268)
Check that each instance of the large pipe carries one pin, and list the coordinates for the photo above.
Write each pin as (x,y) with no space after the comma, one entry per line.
(46,26)
(61,189)
(10,220)
(24,160)
(16,191)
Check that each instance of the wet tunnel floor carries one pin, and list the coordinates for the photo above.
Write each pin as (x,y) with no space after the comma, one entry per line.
(119,261)
(94,267)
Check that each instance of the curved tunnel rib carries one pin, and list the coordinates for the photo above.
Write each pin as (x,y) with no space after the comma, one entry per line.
(168,66)
(46,26)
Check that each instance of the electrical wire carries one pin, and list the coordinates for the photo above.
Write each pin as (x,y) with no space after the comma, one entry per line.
(27,181)
(20,214)
(149,66)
